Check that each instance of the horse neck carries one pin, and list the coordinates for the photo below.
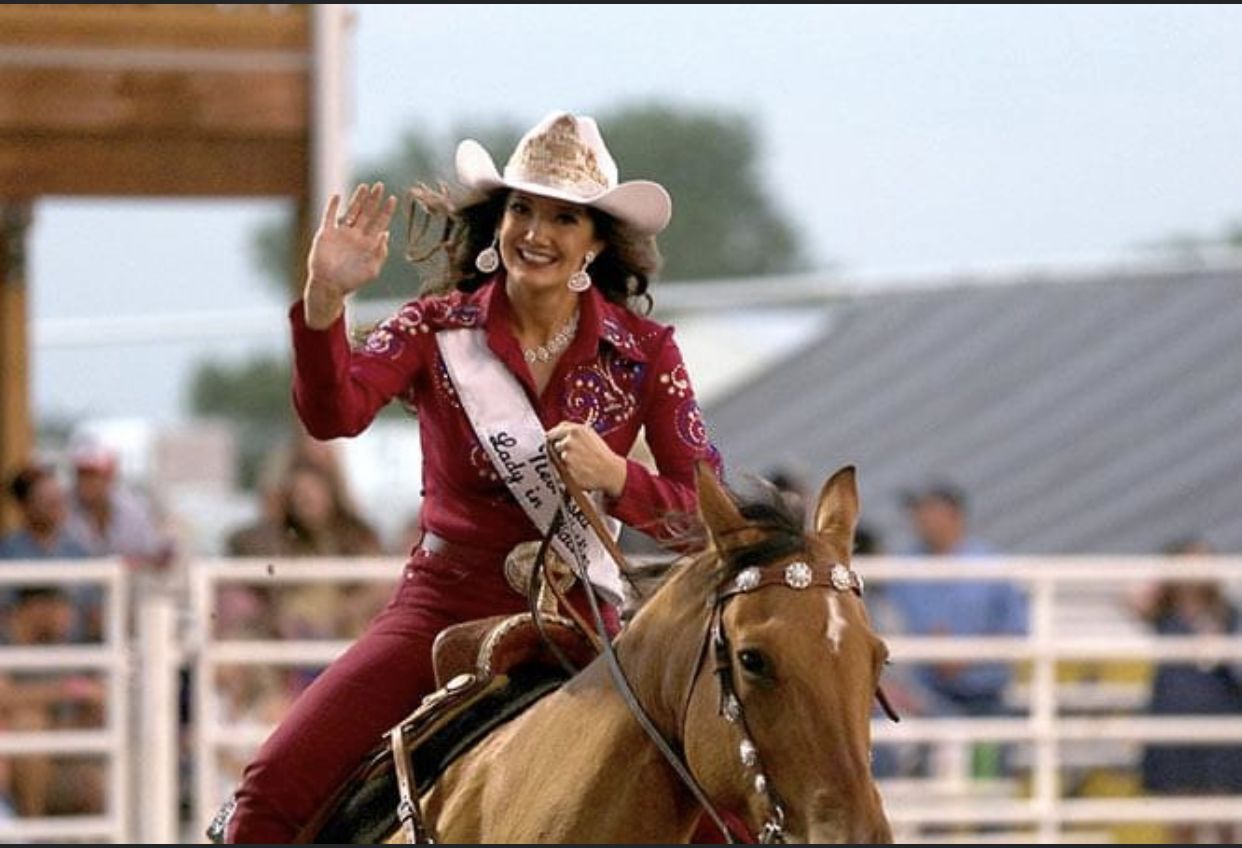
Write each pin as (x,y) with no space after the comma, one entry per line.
(640,799)
(660,648)
(600,778)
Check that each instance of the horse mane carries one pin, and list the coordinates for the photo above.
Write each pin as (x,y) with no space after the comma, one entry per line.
(768,513)
(782,535)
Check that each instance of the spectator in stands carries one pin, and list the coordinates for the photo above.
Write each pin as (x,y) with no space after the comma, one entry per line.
(255,539)
(109,519)
(8,805)
(36,701)
(970,608)
(867,541)
(1194,608)
(958,608)
(42,504)
(44,510)
(312,517)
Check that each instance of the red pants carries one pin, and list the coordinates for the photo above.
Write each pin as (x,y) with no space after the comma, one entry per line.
(375,684)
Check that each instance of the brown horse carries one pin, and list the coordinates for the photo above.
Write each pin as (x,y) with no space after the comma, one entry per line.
(799,658)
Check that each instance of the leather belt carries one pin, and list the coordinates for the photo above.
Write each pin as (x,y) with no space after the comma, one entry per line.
(465,554)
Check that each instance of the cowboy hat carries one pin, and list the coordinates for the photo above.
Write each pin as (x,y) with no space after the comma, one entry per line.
(563,157)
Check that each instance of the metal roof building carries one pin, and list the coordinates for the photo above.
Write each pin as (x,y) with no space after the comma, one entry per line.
(1100,413)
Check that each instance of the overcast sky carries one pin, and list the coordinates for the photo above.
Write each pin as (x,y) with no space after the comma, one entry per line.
(895,138)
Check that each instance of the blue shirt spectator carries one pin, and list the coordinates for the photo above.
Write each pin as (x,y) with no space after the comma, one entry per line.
(20,544)
(43,536)
(962,608)
(957,608)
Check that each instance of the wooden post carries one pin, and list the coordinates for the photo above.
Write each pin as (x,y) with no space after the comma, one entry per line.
(15,429)
(305,221)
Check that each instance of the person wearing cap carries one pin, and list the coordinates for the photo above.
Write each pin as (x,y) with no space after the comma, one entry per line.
(105,517)
(42,615)
(529,337)
(938,514)
(42,502)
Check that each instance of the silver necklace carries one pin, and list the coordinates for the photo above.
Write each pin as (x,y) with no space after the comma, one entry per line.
(559,341)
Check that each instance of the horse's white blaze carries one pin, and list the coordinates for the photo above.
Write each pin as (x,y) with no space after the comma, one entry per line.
(836,622)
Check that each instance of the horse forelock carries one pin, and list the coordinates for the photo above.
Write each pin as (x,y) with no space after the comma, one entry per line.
(772,532)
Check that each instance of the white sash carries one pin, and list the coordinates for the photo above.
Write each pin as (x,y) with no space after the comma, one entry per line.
(514,439)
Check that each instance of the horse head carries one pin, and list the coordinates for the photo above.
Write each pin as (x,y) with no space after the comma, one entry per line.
(759,659)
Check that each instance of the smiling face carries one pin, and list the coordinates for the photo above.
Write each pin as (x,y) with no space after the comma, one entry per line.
(543,241)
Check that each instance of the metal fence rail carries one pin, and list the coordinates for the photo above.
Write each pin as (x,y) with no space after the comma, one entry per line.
(173,634)
(212,735)
(1047,811)
(110,659)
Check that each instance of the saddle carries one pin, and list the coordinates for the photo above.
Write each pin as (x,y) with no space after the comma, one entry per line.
(488,672)
(493,646)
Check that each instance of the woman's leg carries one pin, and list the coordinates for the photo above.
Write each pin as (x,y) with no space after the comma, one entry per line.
(375,684)
(346,711)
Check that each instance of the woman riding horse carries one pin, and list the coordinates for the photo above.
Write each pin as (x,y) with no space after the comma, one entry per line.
(755,660)
(528,336)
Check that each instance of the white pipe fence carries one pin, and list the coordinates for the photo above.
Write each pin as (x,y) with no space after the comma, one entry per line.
(212,735)
(1047,812)
(1053,735)
(111,660)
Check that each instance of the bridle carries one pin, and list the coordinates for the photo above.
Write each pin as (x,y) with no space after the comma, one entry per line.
(796,574)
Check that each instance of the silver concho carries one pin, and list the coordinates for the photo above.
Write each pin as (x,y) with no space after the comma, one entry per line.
(732,709)
(798,575)
(748,579)
(748,753)
(842,578)
(761,783)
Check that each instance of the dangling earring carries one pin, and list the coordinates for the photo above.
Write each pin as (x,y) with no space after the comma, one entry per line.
(580,280)
(488,259)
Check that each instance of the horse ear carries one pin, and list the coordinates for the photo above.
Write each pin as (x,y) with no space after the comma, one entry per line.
(837,512)
(717,509)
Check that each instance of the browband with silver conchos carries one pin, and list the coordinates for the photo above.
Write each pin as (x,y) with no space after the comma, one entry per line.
(796,575)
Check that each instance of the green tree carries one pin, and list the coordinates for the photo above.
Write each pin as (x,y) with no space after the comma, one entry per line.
(725,221)
(416,159)
(1196,247)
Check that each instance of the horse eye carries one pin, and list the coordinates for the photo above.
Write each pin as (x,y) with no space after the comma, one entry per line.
(754,662)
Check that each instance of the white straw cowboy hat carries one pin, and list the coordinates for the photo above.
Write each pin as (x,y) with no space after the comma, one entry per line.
(564,158)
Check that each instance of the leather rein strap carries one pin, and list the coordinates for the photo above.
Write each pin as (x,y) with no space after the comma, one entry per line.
(573,493)
(408,810)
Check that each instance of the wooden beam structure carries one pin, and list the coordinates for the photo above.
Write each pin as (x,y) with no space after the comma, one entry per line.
(173,100)
(15,429)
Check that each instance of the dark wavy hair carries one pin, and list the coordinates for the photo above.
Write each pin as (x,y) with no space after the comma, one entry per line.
(466,224)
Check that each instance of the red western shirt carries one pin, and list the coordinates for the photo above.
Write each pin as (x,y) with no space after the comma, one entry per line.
(622,372)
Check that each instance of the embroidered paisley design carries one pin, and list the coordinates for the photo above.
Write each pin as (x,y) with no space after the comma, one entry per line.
(421,316)
(451,312)
(690,425)
(603,394)
(676,382)
(620,338)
